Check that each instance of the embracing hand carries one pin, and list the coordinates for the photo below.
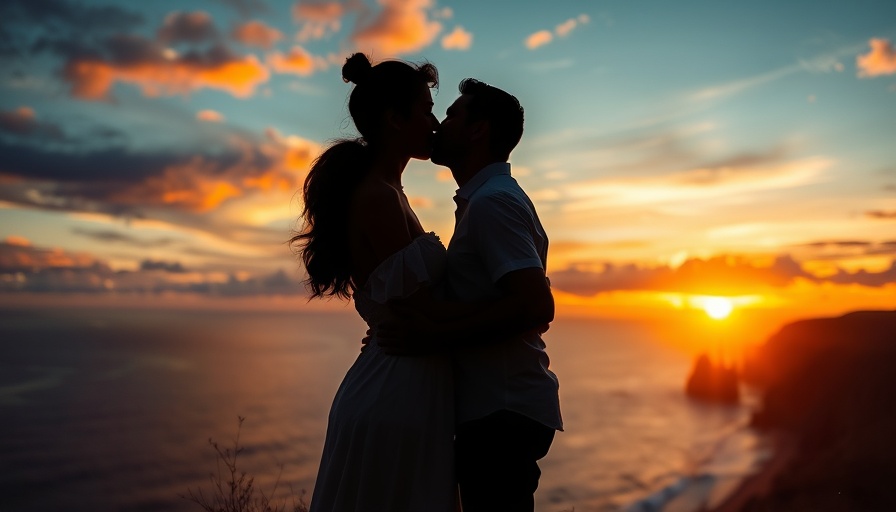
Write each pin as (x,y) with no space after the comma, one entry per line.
(407,332)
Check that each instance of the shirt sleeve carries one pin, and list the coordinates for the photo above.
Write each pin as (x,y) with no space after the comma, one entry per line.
(503,227)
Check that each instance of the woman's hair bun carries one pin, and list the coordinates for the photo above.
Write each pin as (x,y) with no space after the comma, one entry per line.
(356,69)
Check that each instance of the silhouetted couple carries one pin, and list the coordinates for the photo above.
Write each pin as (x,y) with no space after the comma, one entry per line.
(452,388)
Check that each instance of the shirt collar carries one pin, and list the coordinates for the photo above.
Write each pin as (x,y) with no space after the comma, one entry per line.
(480,178)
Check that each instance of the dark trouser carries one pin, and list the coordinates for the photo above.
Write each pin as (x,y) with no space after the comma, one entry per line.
(496,459)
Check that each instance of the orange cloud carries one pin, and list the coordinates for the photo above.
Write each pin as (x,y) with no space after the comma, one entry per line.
(458,39)
(294,153)
(160,71)
(318,19)
(298,62)
(881,60)
(256,33)
(204,183)
(565,28)
(420,202)
(540,38)
(403,26)
(193,185)
(881,214)
(18,241)
(543,37)
(17,254)
(210,116)
(318,11)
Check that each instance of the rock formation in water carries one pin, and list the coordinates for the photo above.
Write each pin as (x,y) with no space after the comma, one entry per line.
(713,383)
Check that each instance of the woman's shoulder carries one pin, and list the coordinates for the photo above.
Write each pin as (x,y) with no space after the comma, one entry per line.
(375,193)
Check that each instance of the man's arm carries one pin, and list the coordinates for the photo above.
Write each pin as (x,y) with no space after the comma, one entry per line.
(529,289)
(501,226)
(526,304)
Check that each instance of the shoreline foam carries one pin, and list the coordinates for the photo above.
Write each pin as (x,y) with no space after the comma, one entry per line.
(759,483)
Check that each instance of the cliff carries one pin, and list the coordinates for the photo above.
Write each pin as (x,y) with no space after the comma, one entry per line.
(831,384)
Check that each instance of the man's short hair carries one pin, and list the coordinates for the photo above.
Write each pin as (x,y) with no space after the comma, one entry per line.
(500,109)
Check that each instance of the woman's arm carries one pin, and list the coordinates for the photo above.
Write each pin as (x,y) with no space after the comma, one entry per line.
(424,325)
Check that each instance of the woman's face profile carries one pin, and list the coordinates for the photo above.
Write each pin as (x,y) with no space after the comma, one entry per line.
(417,130)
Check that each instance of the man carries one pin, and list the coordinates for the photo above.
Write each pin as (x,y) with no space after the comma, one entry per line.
(507,399)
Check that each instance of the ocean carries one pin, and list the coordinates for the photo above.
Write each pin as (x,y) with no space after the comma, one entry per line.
(113,410)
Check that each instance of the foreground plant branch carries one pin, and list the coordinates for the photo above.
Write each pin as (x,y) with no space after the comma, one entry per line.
(234,490)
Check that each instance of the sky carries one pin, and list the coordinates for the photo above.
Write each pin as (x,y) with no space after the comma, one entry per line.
(676,151)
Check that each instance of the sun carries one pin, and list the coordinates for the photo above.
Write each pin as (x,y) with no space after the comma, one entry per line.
(717,307)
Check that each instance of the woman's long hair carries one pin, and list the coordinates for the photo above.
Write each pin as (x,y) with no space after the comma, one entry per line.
(323,242)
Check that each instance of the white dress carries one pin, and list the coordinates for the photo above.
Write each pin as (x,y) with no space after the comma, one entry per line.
(389,445)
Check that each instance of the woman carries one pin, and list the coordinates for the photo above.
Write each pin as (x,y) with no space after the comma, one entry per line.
(390,433)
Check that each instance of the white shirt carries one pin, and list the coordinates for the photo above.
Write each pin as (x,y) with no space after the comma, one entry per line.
(496,232)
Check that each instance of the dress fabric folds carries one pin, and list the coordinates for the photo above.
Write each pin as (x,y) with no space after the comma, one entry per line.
(389,444)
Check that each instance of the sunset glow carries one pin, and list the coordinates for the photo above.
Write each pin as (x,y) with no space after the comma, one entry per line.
(161,154)
(717,307)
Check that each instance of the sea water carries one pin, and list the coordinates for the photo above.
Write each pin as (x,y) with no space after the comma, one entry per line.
(114,410)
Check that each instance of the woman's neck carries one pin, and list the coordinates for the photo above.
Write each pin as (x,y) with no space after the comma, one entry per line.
(388,167)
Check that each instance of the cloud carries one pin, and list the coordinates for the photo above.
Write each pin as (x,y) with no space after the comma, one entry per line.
(196,185)
(256,33)
(18,241)
(318,19)
(543,37)
(66,15)
(16,256)
(119,181)
(552,65)
(737,86)
(25,268)
(174,267)
(444,13)
(719,275)
(458,39)
(402,26)
(321,12)
(881,60)
(192,27)
(839,243)
(881,214)
(420,202)
(27,25)
(704,183)
(825,250)
(565,28)
(246,8)
(862,277)
(660,169)
(298,62)
(540,38)
(116,237)
(210,116)
(23,122)
(203,182)
(158,71)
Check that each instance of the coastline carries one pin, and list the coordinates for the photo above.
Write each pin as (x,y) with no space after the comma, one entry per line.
(760,483)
